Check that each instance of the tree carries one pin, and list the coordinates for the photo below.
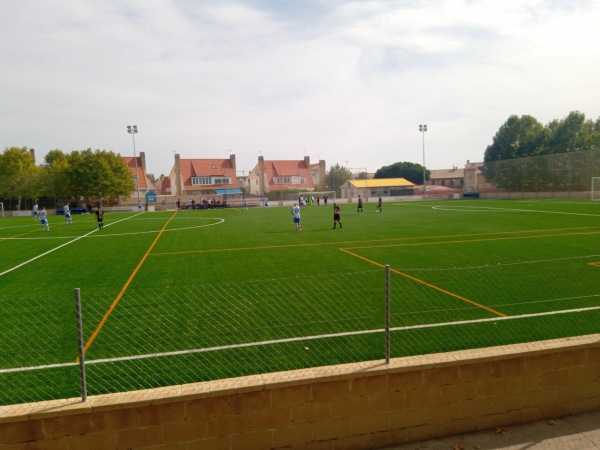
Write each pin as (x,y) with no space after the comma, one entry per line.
(337,176)
(407,170)
(362,176)
(518,137)
(59,184)
(99,174)
(21,177)
(571,134)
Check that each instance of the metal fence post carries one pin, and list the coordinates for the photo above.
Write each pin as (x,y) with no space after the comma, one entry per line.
(80,344)
(387,313)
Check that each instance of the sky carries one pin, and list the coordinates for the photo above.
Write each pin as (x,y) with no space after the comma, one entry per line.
(348,82)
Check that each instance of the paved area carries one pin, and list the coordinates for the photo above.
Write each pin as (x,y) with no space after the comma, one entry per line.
(581,432)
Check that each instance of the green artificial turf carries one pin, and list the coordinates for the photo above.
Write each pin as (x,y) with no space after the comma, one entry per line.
(200,295)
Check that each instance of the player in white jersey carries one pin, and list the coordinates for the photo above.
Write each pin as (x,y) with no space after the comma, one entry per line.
(296,213)
(68,218)
(35,212)
(44,220)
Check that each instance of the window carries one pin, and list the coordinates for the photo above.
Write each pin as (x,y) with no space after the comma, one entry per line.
(201,181)
(221,181)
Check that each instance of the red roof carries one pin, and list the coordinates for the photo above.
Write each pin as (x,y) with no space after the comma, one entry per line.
(165,187)
(130,161)
(207,168)
(286,168)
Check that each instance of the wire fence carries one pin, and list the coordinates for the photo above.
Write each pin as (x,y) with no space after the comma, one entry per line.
(171,336)
(562,172)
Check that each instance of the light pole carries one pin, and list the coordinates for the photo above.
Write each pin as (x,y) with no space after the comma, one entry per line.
(132,130)
(423,130)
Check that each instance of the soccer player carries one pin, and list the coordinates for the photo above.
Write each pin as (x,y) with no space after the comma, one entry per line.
(336,215)
(178,203)
(35,212)
(100,214)
(379,204)
(359,210)
(295,211)
(245,204)
(68,218)
(266,203)
(44,220)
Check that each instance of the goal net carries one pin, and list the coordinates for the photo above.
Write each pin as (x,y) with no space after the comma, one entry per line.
(320,194)
(595,188)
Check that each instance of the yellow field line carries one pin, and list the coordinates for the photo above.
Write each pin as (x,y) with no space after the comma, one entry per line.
(120,295)
(33,231)
(19,235)
(437,288)
(479,240)
(266,247)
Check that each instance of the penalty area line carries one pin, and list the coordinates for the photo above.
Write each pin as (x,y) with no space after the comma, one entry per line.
(18,266)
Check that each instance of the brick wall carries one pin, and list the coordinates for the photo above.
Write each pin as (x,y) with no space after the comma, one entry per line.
(360,406)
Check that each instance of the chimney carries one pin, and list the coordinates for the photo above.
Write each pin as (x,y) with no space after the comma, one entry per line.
(322,172)
(32,151)
(143,161)
(178,186)
(232,159)
(307,161)
(261,176)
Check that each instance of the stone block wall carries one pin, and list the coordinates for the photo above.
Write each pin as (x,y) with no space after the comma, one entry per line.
(369,405)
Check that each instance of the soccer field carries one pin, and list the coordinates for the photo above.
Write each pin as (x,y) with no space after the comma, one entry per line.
(171,298)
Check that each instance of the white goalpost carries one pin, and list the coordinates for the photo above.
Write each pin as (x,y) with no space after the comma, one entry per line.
(595,188)
(330,196)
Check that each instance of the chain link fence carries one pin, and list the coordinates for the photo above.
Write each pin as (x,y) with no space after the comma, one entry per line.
(561,173)
(171,336)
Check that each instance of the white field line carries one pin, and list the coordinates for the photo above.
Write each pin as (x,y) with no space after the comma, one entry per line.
(57,248)
(218,220)
(493,209)
(294,339)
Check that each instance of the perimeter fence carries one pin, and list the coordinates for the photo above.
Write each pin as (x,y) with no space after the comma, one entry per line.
(171,336)
(569,173)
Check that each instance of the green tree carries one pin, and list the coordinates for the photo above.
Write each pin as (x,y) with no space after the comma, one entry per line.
(407,170)
(362,176)
(99,174)
(518,137)
(571,134)
(336,176)
(56,165)
(21,177)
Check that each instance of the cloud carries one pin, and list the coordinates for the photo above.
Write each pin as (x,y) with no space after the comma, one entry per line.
(336,80)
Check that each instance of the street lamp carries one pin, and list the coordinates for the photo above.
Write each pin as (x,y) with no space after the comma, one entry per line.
(423,129)
(132,130)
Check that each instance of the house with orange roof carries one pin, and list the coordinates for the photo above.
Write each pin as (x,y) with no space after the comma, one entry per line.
(279,175)
(137,168)
(201,178)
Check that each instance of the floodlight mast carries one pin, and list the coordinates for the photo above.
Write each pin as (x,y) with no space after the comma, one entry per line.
(132,129)
(423,130)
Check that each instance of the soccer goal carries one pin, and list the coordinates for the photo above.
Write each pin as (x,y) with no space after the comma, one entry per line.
(330,196)
(595,188)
